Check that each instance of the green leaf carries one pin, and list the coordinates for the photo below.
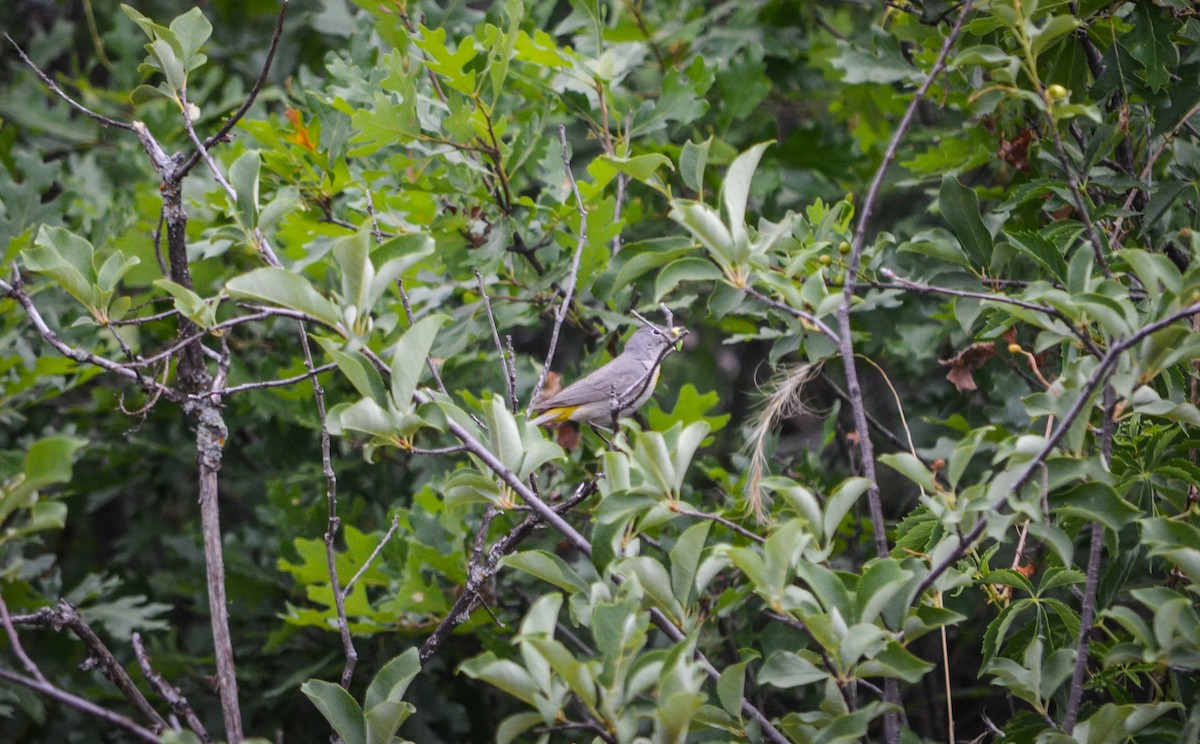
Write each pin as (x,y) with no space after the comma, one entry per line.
(501,53)
(896,662)
(840,502)
(684,270)
(361,373)
(113,269)
(503,674)
(67,259)
(1051,31)
(735,192)
(1041,250)
(168,63)
(47,462)
(385,710)
(192,29)
(731,687)
(643,168)
(1099,502)
(339,709)
(786,669)
(189,304)
(353,255)
(706,227)
(281,287)
(912,468)
(960,207)
(692,160)
(409,359)
(685,559)
(879,585)
(391,682)
(547,567)
(654,578)
(512,727)
(243,177)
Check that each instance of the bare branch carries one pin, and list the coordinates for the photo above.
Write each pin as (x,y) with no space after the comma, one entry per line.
(226,128)
(1076,192)
(53,86)
(80,704)
(16,291)
(263,384)
(510,373)
(408,313)
(15,641)
(686,512)
(569,292)
(333,521)
(168,692)
(809,318)
(846,342)
(1115,234)
(1053,312)
(1087,611)
(200,148)
(371,558)
(38,682)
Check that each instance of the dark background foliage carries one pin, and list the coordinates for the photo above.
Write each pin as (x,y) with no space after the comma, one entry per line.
(1053,162)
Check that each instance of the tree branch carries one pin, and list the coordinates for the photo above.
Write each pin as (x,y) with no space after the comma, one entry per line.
(226,128)
(569,292)
(846,342)
(168,692)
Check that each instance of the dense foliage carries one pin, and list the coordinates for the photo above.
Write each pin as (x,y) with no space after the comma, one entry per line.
(924,467)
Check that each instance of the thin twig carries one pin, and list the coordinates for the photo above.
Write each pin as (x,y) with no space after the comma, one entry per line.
(1053,312)
(263,384)
(794,312)
(145,318)
(15,641)
(686,512)
(81,704)
(371,558)
(830,666)
(1087,611)
(16,291)
(49,82)
(168,692)
(408,313)
(1114,235)
(875,423)
(437,450)
(37,681)
(569,292)
(511,370)
(509,373)
(225,129)
(109,666)
(191,130)
(333,521)
(1077,193)
(374,218)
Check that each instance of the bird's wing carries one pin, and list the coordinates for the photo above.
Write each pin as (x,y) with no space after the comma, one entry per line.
(620,374)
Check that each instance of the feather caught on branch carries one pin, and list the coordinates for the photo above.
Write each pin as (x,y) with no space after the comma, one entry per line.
(783,400)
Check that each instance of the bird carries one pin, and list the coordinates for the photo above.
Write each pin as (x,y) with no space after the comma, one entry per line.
(618,388)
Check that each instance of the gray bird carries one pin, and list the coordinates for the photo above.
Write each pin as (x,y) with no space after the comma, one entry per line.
(625,383)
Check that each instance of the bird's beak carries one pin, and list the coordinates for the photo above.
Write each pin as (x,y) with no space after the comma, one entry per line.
(677,333)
